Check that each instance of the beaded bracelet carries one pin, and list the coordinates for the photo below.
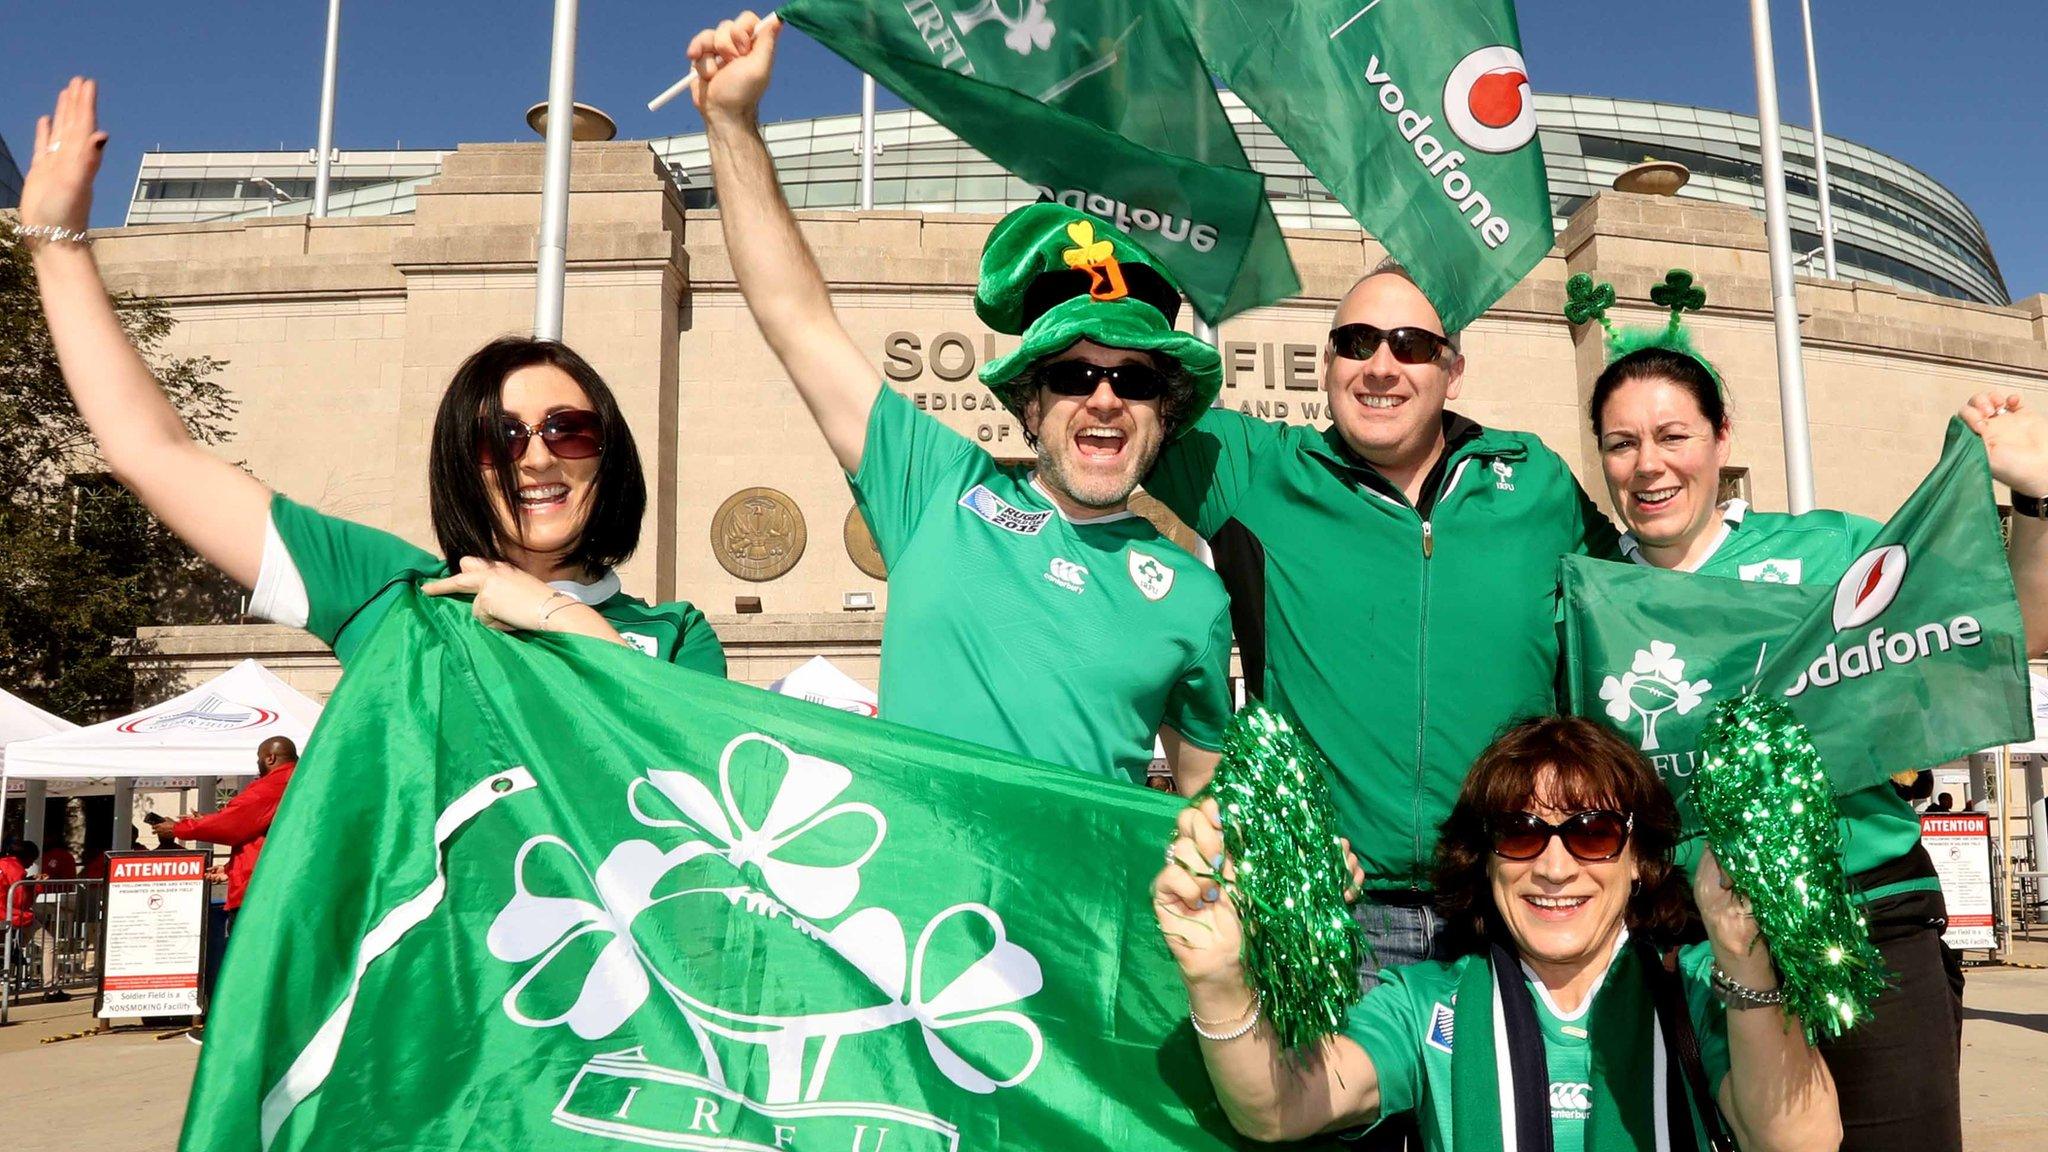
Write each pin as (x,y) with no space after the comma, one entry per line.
(1258,1005)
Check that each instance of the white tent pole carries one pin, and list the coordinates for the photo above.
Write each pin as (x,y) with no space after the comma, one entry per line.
(124,814)
(34,795)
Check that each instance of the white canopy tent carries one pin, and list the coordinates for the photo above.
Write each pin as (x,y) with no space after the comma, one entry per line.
(21,720)
(188,740)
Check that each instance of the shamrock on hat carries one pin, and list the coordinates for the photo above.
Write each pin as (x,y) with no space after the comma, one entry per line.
(1056,275)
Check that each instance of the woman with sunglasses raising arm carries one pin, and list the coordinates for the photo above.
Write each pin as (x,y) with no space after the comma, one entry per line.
(535,485)
(1558,1021)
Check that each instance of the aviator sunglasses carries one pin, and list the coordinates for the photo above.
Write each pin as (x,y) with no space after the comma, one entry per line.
(572,434)
(1409,345)
(1080,378)
(1589,836)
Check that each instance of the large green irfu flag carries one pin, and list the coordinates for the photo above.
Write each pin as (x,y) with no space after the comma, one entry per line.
(1104,105)
(550,894)
(1915,656)
(1416,114)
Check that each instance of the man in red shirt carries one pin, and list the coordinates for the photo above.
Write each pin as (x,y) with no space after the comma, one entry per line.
(245,821)
(21,911)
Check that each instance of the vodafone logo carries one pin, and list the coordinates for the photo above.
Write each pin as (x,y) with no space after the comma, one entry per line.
(1869,587)
(1866,591)
(1487,101)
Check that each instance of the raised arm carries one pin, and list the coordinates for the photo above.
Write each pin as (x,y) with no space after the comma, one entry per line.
(214,507)
(1778,1095)
(1268,1093)
(2016,443)
(774,267)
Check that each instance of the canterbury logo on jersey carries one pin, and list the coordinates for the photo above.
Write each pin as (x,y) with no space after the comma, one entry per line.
(1001,513)
(1067,574)
(1573,1101)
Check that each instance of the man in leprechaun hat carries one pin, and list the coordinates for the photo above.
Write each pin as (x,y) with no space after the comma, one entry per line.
(1030,609)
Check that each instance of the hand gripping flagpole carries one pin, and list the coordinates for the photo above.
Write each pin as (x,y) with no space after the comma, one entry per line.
(1784,305)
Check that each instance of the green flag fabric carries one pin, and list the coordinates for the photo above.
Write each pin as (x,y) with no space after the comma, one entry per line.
(1416,114)
(547,894)
(1104,106)
(1916,655)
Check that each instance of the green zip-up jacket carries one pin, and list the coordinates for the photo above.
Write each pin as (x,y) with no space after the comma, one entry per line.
(1400,639)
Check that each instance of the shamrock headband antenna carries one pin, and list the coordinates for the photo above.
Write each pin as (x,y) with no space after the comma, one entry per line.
(1587,300)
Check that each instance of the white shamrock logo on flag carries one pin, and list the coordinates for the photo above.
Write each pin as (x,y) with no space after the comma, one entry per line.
(1654,684)
(576,927)
(1025,31)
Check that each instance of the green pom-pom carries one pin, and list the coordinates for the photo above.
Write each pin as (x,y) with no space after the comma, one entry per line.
(1302,949)
(1771,820)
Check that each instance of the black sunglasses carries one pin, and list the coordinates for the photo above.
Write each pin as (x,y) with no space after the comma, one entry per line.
(1081,378)
(1410,345)
(1589,836)
(572,434)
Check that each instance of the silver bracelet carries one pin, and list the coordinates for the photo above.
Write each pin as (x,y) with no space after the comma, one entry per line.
(1740,996)
(52,234)
(1258,1005)
(566,601)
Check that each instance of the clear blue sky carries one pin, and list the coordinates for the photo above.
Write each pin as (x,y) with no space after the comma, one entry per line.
(1953,89)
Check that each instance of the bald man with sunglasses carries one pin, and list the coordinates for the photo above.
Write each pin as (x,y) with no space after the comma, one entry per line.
(1393,580)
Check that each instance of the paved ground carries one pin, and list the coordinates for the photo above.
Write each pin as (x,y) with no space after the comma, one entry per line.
(126,1090)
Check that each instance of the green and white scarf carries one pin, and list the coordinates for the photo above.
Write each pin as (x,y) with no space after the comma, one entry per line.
(1500,1084)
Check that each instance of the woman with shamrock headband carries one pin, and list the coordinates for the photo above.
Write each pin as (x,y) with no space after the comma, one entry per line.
(1557,1024)
(1661,418)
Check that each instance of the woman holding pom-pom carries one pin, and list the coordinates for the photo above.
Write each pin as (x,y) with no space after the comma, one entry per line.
(1559,1022)
(1661,419)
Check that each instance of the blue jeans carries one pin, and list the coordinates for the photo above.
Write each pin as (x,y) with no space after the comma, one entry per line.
(1399,934)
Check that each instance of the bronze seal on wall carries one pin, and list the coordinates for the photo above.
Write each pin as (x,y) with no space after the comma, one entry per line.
(860,545)
(757,534)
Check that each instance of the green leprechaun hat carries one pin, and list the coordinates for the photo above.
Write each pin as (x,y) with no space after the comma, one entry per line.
(1056,275)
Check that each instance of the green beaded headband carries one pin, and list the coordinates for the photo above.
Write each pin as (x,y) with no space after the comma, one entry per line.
(1586,300)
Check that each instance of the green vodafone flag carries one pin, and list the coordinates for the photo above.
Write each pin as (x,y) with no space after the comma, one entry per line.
(1416,114)
(1104,106)
(550,894)
(1915,656)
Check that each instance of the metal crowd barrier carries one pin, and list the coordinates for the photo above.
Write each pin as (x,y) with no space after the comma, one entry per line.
(63,944)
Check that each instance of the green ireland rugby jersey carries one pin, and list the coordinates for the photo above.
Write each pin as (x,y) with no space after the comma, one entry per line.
(1012,626)
(1405,1026)
(1400,637)
(1812,548)
(336,579)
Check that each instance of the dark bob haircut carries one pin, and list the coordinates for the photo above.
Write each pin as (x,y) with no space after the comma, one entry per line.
(1660,364)
(1592,768)
(464,523)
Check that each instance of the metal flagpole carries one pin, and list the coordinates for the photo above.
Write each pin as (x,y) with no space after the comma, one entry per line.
(2001,869)
(1784,306)
(552,267)
(867,142)
(1820,147)
(325,172)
